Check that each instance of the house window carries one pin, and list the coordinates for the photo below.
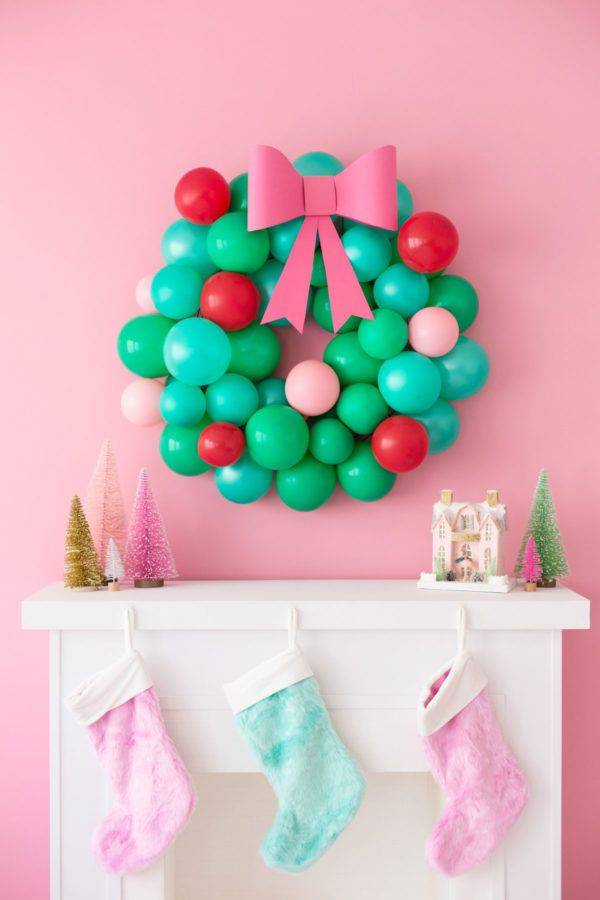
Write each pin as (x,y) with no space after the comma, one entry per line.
(466,522)
(442,531)
(466,551)
(441,554)
(488,531)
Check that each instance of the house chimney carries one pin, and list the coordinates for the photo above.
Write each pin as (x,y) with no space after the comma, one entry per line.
(492,498)
(446,497)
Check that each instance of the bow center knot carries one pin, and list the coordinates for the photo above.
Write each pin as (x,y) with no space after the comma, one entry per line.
(319,195)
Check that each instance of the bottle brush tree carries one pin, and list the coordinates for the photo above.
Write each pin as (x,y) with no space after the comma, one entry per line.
(531,569)
(104,503)
(543,527)
(148,561)
(82,567)
(114,569)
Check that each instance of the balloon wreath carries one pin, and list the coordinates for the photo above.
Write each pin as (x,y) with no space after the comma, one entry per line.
(377,403)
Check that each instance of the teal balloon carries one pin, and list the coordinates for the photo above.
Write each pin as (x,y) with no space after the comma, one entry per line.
(179,448)
(233,398)
(182,404)
(140,345)
(175,291)
(265,280)
(318,277)
(442,424)
(405,203)
(401,289)
(307,485)
(197,351)
(282,238)
(271,392)
(244,481)
(232,247)
(277,437)
(238,188)
(410,382)
(318,163)
(368,250)
(464,370)
(184,242)
(362,477)
(321,310)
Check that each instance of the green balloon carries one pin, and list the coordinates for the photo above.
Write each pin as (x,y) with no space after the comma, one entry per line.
(271,392)
(185,242)
(179,448)
(410,382)
(362,477)
(307,485)
(238,188)
(232,247)
(383,336)
(277,437)
(349,361)
(464,370)
(182,404)
(321,310)
(330,441)
(319,276)
(255,351)
(282,238)
(368,250)
(457,295)
(233,398)
(442,423)
(175,291)
(361,407)
(401,289)
(140,345)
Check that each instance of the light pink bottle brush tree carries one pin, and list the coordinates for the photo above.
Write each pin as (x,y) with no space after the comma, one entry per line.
(104,506)
(148,559)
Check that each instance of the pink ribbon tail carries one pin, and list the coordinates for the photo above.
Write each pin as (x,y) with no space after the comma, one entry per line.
(290,297)
(346,296)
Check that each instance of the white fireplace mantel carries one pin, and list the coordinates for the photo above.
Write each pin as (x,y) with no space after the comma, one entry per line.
(372,645)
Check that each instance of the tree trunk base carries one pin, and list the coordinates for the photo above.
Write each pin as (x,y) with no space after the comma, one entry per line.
(114,586)
(530,586)
(148,582)
(85,587)
(549,582)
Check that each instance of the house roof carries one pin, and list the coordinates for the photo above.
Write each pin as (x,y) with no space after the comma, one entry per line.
(482,510)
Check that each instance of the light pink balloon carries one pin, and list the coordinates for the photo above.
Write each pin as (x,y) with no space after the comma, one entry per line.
(142,295)
(139,402)
(312,387)
(433,331)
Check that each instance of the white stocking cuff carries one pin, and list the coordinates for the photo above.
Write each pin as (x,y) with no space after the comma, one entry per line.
(119,682)
(465,680)
(267,678)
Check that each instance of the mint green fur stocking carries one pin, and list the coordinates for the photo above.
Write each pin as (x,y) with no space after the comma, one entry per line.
(318,785)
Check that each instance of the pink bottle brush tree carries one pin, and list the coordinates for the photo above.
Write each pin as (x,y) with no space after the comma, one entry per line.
(104,507)
(532,567)
(148,560)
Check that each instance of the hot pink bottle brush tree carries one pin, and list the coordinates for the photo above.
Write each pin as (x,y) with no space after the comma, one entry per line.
(532,567)
(148,561)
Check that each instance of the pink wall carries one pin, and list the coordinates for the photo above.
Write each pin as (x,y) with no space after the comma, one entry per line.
(492,107)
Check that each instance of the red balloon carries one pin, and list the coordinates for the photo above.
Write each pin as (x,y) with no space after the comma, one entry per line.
(427,242)
(221,444)
(202,195)
(229,299)
(400,443)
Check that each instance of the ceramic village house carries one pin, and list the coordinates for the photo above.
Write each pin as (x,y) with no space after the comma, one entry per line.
(468,538)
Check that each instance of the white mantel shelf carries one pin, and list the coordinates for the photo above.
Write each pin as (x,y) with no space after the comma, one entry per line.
(322,606)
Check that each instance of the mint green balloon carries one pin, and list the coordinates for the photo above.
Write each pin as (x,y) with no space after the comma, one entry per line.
(361,407)
(318,163)
(197,351)
(185,242)
(233,248)
(255,351)
(282,238)
(330,441)
(238,188)
(383,336)
(401,289)
(175,291)
(368,250)
(464,370)
(307,485)
(405,202)
(140,345)
(266,280)
(410,382)
(362,477)
(233,398)
(271,392)
(442,423)
(179,448)
(182,404)
(349,361)
(321,310)
(244,481)
(277,437)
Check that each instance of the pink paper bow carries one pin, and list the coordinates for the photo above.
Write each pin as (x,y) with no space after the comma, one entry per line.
(364,192)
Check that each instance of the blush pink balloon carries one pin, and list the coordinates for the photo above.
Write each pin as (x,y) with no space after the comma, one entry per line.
(142,295)
(139,402)
(312,387)
(433,331)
